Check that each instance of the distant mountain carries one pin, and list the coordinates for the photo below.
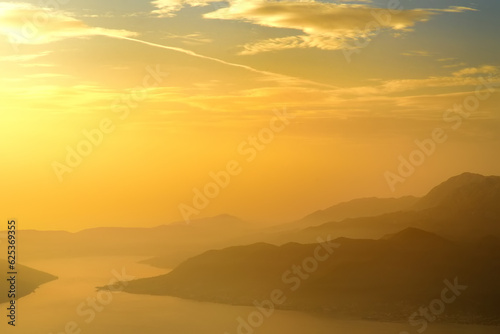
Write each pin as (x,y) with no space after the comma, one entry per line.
(465,190)
(385,279)
(28,280)
(172,243)
(418,239)
(465,207)
(363,207)
(220,221)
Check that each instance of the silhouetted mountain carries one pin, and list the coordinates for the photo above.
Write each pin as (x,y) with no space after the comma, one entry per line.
(386,279)
(362,207)
(464,207)
(415,238)
(28,280)
(467,189)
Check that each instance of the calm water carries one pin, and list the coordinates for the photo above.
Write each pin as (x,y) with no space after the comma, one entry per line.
(54,305)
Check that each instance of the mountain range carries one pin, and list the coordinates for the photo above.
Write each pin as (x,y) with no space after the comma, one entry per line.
(463,208)
(385,279)
(382,267)
(362,207)
(393,254)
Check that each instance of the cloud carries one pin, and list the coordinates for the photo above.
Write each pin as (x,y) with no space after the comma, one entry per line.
(486,69)
(168,8)
(324,42)
(447,59)
(461,64)
(266,75)
(417,54)
(327,26)
(24,23)
(192,39)
(451,62)
(25,57)
(464,78)
(456,9)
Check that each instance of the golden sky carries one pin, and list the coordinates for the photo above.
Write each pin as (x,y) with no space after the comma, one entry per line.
(113,113)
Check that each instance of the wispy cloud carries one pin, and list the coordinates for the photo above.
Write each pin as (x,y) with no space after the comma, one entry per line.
(24,23)
(462,78)
(192,39)
(451,62)
(485,69)
(461,64)
(417,54)
(446,59)
(456,9)
(266,75)
(169,8)
(25,57)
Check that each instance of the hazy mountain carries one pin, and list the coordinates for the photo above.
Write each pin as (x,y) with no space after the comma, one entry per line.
(461,208)
(465,207)
(175,241)
(388,278)
(362,207)
(467,189)
(28,280)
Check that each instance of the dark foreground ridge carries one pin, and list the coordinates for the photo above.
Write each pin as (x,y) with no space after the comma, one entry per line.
(386,279)
(28,280)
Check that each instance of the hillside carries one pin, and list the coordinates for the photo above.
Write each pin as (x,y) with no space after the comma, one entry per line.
(362,207)
(28,280)
(364,278)
(467,190)
(465,207)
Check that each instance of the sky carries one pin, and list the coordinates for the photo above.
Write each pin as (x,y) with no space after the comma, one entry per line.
(141,113)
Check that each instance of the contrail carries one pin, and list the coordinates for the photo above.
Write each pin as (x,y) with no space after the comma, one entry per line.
(248,68)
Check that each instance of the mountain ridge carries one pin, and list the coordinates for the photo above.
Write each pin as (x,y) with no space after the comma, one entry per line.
(361,278)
